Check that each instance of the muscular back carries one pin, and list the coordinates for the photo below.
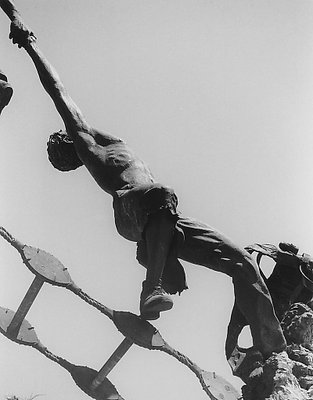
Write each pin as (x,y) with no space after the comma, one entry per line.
(110,161)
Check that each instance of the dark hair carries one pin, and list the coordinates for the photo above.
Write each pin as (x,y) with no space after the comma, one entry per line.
(62,153)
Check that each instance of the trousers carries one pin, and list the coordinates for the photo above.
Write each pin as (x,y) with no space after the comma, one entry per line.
(200,244)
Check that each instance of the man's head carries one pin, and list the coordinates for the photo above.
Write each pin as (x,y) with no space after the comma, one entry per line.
(62,153)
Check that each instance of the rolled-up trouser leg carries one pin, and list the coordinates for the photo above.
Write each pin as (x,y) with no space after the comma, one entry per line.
(254,301)
(205,246)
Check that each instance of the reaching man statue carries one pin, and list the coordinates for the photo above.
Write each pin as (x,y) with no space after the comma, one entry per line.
(145,211)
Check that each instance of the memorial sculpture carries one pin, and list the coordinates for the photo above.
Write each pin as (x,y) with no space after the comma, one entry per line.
(146,213)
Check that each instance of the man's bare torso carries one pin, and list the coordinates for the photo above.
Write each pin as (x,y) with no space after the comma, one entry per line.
(111,162)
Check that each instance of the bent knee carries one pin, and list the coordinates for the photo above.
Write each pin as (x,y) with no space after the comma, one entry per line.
(247,269)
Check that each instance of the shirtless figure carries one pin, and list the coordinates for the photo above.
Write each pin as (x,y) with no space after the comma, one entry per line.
(145,212)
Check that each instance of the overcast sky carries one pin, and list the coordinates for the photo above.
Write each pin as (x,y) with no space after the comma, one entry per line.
(217,96)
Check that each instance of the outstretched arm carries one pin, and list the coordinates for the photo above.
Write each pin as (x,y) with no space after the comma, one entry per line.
(68,110)
(72,117)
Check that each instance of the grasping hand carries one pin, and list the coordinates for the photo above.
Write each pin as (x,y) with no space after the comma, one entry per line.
(20,34)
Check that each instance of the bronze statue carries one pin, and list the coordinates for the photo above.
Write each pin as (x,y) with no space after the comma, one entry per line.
(145,211)
(291,287)
(290,279)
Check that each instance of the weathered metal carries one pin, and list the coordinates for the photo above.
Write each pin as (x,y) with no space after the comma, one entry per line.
(291,281)
(83,376)
(45,265)
(218,387)
(140,331)
(39,262)
(136,330)
(111,363)
(14,327)
(26,334)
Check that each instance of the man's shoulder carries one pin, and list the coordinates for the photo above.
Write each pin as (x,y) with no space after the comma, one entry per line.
(105,139)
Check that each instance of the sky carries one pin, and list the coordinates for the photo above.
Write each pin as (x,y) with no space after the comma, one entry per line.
(216,96)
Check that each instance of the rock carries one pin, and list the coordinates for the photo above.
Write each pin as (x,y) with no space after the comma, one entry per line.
(287,375)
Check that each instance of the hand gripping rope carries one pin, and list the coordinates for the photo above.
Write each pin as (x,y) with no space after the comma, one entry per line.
(47,269)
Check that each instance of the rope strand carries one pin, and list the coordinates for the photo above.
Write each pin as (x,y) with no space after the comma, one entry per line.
(92,302)
(53,357)
(188,363)
(6,235)
(11,239)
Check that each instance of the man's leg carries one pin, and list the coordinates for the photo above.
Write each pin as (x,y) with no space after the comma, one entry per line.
(205,246)
(159,234)
(254,301)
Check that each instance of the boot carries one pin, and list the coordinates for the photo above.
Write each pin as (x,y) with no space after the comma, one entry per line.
(153,300)
(6,92)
